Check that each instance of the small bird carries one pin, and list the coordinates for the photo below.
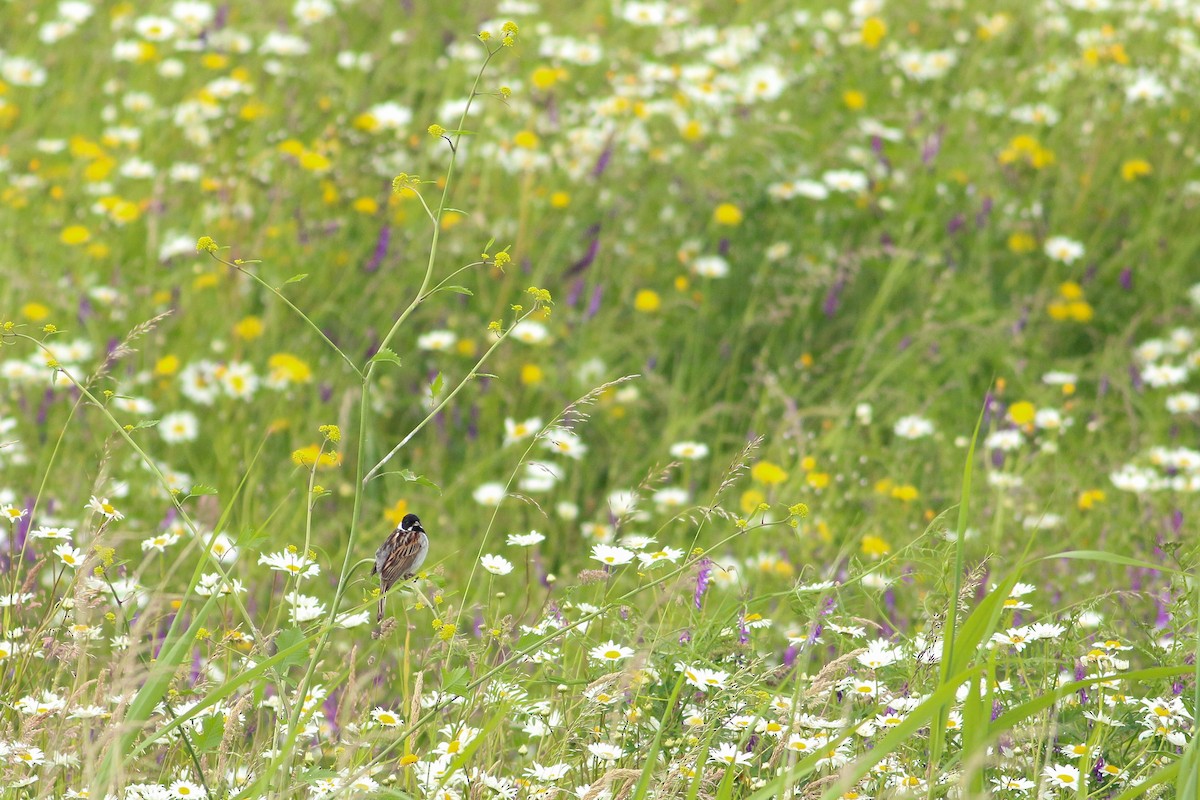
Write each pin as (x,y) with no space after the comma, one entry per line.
(400,556)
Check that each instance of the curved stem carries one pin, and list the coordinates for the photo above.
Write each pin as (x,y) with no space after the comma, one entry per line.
(452,275)
(438,408)
(242,269)
(437,218)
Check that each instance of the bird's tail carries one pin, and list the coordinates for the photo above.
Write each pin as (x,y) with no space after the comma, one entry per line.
(379,616)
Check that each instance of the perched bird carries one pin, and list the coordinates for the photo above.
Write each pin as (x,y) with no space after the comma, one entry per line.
(400,556)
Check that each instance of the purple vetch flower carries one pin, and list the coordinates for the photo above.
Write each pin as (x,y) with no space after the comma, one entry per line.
(197,669)
(877,149)
(473,423)
(833,298)
(23,525)
(685,637)
(381,249)
(723,246)
(985,211)
(702,580)
(594,303)
(955,224)
(325,390)
(1022,321)
(477,624)
(743,631)
(160,635)
(789,655)
(330,707)
(1135,377)
(997,458)
(1081,673)
(373,347)
(932,146)
(1127,279)
(905,343)
(43,412)
(85,309)
(604,159)
(989,401)
(1176,520)
(1163,616)
(1177,684)
(574,293)
(997,710)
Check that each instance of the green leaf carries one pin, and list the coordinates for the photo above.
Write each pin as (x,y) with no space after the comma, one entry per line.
(285,642)
(457,290)
(315,774)
(918,718)
(455,682)
(146,423)
(251,538)
(226,689)
(202,489)
(158,679)
(1016,714)
(296,278)
(1111,558)
(413,477)
(212,730)
(725,789)
(436,387)
(175,647)
(386,355)
(643,784)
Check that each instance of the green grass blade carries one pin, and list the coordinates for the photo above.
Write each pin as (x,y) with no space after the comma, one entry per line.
(643,784)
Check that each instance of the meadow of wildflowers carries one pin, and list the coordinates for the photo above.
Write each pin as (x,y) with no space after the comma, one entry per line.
(801,398)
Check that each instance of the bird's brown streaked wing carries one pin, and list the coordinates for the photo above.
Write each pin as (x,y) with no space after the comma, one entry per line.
(406,546)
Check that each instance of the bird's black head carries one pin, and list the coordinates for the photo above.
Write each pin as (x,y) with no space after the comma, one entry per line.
(411,522)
